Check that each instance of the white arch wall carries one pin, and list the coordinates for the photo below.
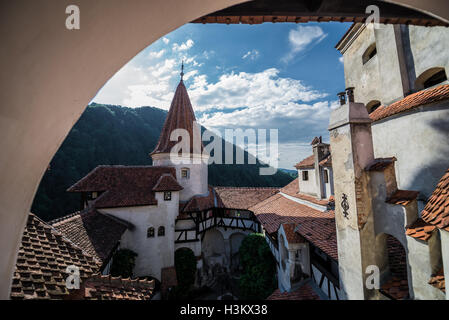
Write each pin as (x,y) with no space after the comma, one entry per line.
(49,74)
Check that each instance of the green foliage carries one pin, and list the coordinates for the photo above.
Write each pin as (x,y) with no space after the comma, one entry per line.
(123,263)
(112,135)
(185,264)
(258,279)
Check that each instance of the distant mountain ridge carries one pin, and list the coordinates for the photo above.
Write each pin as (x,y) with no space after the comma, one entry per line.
(115,135)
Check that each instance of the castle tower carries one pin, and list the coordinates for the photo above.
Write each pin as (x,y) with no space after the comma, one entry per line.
(352,152)
(180,145)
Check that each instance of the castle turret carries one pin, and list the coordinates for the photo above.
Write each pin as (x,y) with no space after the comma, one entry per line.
(180,146)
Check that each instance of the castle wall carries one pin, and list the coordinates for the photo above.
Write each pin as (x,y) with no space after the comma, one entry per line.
(418,139)
(309,186)
(156,252)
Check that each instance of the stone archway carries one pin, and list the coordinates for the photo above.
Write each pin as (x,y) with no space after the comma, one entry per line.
(45,65)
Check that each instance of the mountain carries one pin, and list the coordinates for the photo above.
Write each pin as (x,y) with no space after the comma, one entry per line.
(111,135)
(292,173)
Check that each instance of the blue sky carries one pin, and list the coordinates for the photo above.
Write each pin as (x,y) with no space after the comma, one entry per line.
(272,76)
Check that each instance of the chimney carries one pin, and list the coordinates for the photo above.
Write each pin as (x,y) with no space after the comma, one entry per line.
(352,150)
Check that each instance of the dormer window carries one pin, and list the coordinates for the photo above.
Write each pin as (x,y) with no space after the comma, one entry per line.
(150,232)
(167,195)
(185,173)
(430,78)
(161,231)
(369,53)
(305,175)
(372,105)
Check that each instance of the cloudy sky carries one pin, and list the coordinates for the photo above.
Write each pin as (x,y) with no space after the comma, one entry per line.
(270,76)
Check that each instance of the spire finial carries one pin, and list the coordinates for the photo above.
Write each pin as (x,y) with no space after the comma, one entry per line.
(182,69)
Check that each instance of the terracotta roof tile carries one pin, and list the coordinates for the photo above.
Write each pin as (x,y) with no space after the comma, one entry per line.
(305,292)
(396,288)
(94,232)
(43,257)
(180,116)
(201,203)
(243,198)
(123,186)
(402,197)
(308,162)
(292,190)
(291,234)
(327,161)
(423,97)
(438,280)
(101,287)
(167,182)
(420,230)
(315,226)
(436,211)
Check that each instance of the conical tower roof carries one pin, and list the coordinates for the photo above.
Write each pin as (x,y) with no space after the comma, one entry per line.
(180,116)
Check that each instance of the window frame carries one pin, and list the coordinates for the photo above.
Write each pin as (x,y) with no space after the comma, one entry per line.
(305,175)
(150,232)
(167,195)
(187,173)
(161,231)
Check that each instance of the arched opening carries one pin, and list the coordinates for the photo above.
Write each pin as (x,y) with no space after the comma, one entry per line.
(373,105)
(213,249)
(90,71)
(392,262)
(150,232)
(161,231)
(369,53)
(235,241)
(430,78)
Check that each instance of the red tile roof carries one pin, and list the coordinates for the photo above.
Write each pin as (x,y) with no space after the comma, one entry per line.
(396,288)
(43,257)
(420,230)
(201,203)
(305,292)
(96,233)
(242,198)
(308,162)
(291,234)
(423,97)
(101,287)
(438,280)
(315,226)
(292,190)
(124,186)
(180,116)
(326,162)
(436,211)
(402,197)
(167,182)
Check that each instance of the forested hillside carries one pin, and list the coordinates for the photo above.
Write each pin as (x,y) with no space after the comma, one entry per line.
(108,135)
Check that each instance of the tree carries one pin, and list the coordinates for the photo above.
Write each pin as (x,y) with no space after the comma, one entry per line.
(185,264)
(258,279)
(123,263)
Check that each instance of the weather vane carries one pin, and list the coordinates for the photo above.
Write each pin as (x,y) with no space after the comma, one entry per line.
(182,69)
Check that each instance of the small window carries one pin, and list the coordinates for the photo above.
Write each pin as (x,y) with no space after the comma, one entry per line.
(161,231)
(326,176)
(94,195)
(369,53)
(437,78)
(185,173)
(305,175)
(150,232)
(167,195)
(430,78)
(372,105)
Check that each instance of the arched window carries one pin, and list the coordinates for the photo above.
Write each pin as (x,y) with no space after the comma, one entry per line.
(150,232)
(430,78)
(185,173)
(369,53)
(161,231)
(372,105)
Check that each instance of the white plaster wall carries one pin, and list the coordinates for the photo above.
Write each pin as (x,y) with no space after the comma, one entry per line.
(309,186)
(153,253)
(445,255)
(328,187)
(418,139)
(197,183)
(49,61)
(421,270)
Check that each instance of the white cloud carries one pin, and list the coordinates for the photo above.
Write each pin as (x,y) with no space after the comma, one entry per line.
(165,40)
(156,54)
(341,59)
(252,55)
(183,46)
(301,37)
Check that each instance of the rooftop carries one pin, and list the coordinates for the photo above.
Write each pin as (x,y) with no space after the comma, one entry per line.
(436,211)
(243,197)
